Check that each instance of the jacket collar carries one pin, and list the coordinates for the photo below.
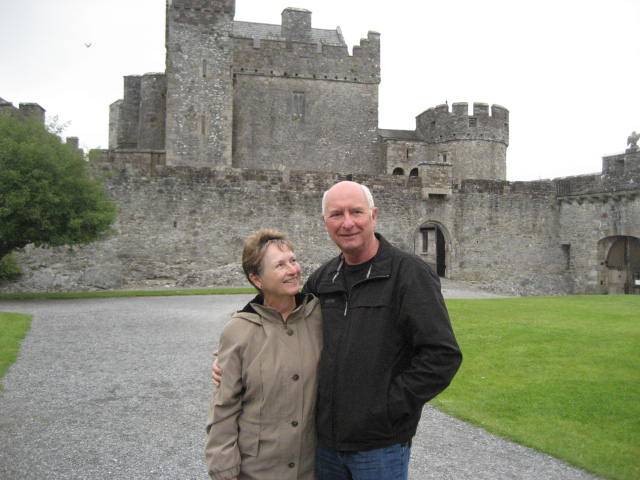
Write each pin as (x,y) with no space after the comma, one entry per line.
(381,265)
(257,312)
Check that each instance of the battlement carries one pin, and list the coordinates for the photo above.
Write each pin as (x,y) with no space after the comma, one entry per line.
(625,164)
(296,50)
(200,11)
(620,177)
(31,111)
(438,124)
(502,187)
(145,164)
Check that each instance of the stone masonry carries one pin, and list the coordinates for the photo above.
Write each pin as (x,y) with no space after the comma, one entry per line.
(251,123)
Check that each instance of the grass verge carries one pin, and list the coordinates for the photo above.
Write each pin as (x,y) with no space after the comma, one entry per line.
(559,374)
(13,328)
(124,293)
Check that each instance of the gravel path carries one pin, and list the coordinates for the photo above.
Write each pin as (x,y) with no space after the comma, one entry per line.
(118,389)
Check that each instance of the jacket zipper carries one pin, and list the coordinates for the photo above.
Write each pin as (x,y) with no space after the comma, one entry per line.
(345,335)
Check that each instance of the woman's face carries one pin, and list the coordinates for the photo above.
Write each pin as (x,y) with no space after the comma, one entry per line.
(280,273)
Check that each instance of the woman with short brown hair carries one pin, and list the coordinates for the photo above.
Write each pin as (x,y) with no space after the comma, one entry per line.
(261,418)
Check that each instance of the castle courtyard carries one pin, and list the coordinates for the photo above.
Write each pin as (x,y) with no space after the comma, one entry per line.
(118,389)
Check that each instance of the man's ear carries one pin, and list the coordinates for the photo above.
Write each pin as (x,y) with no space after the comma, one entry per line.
(374,214)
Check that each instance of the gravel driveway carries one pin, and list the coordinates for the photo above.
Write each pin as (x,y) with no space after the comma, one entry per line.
(118,389)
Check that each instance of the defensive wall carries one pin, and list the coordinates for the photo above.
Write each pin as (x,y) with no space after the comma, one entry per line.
(596,211)
(183,227)
(242,130)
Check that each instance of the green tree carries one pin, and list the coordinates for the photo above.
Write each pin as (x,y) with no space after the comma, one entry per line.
(47,197)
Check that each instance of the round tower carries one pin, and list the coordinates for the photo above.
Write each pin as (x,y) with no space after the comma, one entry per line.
(474,144)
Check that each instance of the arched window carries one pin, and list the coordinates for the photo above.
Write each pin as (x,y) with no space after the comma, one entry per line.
(398,171)
(414,172)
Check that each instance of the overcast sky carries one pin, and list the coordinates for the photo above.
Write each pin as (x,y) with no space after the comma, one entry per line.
(568,71)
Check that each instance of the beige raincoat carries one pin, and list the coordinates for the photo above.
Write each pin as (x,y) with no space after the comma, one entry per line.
(261,421)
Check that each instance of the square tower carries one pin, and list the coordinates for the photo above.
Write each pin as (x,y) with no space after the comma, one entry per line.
(199,99)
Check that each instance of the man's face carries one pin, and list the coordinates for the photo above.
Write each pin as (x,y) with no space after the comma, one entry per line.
(348,219)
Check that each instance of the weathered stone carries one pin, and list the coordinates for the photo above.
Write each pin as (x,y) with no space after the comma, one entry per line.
(261,119)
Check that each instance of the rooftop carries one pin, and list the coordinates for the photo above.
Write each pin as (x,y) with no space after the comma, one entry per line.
(266,31)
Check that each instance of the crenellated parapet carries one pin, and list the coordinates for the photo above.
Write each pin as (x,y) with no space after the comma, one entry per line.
(31,111)
(438,124)
(295,50)
(200,12)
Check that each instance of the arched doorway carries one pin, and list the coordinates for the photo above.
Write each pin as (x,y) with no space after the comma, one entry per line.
(622,264)
(430,244)
(398,171)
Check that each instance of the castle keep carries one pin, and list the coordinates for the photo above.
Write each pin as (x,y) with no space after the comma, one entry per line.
(290,97)
(250,124)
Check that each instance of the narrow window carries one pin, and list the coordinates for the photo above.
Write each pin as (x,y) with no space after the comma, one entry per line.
(566,249)
(473,122)
(204,68)
(298,105)
(203,130)
(425,240)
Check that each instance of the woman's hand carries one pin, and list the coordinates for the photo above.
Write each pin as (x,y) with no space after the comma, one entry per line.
(216,373)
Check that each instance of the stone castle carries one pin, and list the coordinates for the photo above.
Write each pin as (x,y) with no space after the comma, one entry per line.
(251,122)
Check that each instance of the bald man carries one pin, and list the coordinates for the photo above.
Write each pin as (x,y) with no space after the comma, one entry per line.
(388,344)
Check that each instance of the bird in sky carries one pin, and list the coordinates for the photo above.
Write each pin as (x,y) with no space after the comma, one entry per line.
(88,44)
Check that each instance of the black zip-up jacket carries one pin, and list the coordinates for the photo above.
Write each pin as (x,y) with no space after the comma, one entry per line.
(388,348)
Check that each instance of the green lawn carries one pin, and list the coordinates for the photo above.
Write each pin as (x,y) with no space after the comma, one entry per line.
(559,374)
(13,328)
(124,293)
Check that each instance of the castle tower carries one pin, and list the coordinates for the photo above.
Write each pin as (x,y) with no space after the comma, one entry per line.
(475,145)
(301,101)
(199,100)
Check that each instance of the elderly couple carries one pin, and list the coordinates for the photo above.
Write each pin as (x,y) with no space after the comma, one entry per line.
(329,383)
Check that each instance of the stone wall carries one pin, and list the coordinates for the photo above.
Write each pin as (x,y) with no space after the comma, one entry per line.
(506,237)
(586,224)
(305,59)
(151,121)
(305,124)
(127,114)
(184,227)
